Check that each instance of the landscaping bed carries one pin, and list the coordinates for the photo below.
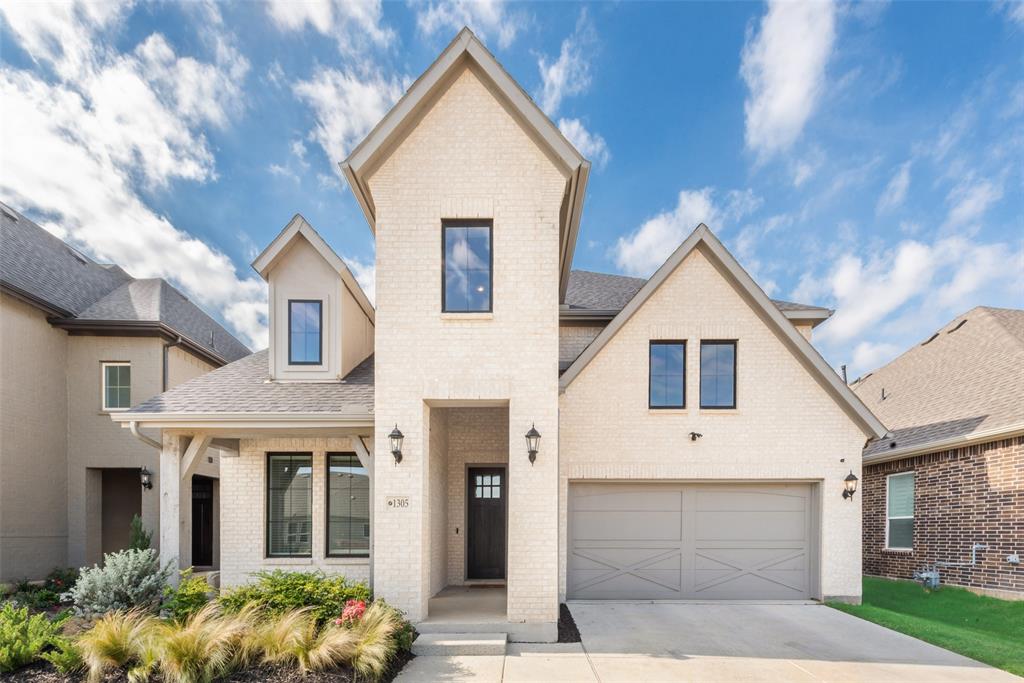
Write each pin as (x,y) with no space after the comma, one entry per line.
(567,631)
(982,628)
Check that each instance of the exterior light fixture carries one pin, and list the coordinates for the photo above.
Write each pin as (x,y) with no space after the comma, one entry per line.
(532,442)
(396,443)
(146,478)
(850,485)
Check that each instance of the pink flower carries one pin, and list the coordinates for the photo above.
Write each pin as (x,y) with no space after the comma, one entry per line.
(338,622)
(353,612)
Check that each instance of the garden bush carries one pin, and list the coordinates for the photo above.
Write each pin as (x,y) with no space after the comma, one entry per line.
(121,640)
(138,537)
(23,638)
(191,595)
(65,657)
(128,579)
(279,591)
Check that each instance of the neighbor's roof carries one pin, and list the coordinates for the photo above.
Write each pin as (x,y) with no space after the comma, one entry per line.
(244,388)
(963,384)
(610,293)
(703,238)
(79,293)
(466,49)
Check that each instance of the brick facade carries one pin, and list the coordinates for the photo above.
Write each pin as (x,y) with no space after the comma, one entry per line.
(962,496)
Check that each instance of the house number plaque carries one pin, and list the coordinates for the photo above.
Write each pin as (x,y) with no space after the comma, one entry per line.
(397,502)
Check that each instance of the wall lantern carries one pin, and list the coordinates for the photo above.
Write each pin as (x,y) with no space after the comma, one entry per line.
(532,442)
(396,444)
(146,478)
(850,485)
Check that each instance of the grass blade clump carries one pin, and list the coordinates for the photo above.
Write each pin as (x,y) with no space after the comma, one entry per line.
(201,649)
(376,633)
(117,640)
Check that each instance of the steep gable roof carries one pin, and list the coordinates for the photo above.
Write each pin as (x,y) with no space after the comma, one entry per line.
(299,228)
(960,385)
(703,238)
(465,49)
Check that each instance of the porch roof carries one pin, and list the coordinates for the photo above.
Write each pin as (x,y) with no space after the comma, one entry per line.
(244,388)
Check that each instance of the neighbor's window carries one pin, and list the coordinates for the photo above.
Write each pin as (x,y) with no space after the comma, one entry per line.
(899,534)
(667,377)
(718,374)
(305,321)
(348,506)
(467,267)
(289,504)
(117,386)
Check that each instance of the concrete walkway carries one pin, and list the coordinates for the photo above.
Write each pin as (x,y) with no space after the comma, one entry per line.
(708,642)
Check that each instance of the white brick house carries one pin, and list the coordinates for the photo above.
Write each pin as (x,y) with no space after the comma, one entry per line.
(693,444)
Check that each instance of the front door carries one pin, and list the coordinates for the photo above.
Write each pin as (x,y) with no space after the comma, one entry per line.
(202,521)
(485,540)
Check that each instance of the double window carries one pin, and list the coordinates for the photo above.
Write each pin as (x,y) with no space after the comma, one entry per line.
(667,380)
(899,511)
(718,374)
(117,386)
(289,504)
(468,264)
(348,506)
(305,332)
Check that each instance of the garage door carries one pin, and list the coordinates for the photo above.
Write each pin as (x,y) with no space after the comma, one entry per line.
(650,541)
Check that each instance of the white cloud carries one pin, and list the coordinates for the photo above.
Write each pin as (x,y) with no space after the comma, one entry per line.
(487,18)
(804,169)
(970,200)
(870,355)
(896,190)
(347,106)
(590,145)
(783,65)
(646,248)
(75,148)
(283,172)
(570,73)
(352,23)
(1013,9)
(365,274)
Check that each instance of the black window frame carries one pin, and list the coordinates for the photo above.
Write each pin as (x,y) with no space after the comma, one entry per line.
(266,516)
(665,342)
(468,223)
(735,371)
(327,505)
(320,324)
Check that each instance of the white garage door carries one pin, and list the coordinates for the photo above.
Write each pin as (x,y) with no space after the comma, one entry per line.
(648,541)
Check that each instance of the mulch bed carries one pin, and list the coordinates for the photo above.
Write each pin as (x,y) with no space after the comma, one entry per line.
(43,672)
(567,631)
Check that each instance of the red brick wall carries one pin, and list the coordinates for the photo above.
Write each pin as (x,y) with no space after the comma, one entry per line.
(961,497)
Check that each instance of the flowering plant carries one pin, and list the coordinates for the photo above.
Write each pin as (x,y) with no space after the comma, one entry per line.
(352,613)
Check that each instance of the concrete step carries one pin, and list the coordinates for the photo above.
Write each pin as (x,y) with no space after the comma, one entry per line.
(453,644)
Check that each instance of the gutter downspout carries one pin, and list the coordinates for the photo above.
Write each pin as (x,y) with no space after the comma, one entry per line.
(133,427)
(167,348)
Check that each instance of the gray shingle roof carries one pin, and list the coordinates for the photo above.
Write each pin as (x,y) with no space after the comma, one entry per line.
(245,387)
(35,263)
(967,377)
(608,292)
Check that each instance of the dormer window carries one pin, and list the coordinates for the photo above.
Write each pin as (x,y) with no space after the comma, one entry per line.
(467,265)
(305,332)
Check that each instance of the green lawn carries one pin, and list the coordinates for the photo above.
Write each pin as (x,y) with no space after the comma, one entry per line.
(982,628)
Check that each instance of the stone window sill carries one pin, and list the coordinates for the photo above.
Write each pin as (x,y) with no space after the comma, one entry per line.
(467,316)
(347,561)
(898,551)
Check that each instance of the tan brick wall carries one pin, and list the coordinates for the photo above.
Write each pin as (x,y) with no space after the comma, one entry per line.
(572,339)
(243,488)
(183,366)
(962,496)
(467,158)
(785,426)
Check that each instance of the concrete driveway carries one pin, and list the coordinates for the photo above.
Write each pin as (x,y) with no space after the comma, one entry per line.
(706,642)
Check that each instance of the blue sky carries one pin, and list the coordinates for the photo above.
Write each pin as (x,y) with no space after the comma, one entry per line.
(862,156)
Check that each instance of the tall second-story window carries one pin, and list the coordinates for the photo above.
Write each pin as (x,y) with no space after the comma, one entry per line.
(667,376)
(305,332)
(718,374)
(467,263)
(117,386)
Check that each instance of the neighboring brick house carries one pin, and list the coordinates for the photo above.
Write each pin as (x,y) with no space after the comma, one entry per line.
(694,445)
(80,340)
(950,475)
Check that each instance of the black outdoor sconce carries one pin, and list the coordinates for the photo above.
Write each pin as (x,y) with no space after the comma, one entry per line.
(532,442)
(850,485)
(396,444)
(146,478)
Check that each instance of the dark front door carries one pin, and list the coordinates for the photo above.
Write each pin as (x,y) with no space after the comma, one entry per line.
(202,521)
(485,540)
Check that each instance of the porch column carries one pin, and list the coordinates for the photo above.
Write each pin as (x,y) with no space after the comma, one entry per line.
(170,502)
(190,461)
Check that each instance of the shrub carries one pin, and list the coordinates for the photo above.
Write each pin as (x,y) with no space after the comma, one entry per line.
(279,591)
(353,612)
(120,639)
(191,595)
(293,637)
(61,579)
(23,638)
(128,579)
(376,642)
(204,648)
(66,657)
(138,537)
